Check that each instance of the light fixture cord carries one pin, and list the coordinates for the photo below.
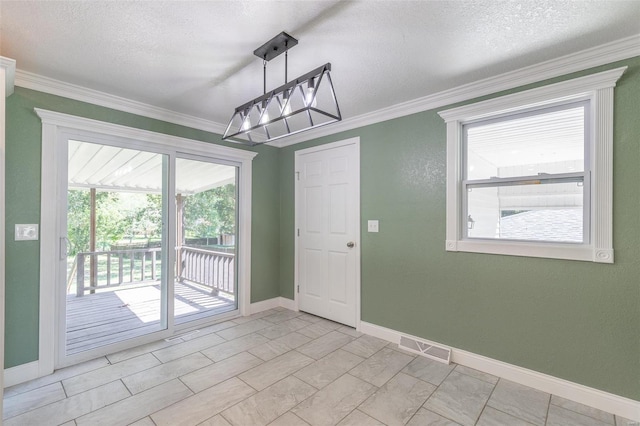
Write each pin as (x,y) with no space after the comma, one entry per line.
(264,75)
(286,60)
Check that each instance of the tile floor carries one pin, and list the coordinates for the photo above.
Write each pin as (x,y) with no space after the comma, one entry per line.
(282,368)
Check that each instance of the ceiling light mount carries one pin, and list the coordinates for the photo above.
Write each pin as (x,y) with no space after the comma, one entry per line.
(304,103)
(275,47)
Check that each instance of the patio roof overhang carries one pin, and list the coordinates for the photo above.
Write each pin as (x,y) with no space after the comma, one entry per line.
(111,168)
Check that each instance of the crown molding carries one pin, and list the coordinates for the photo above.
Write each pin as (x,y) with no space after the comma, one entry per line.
(600,55)
(40,83)
(9,66)
(569,89)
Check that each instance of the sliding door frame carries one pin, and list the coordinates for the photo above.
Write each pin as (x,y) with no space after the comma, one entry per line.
(57,128)
(225,315)
(168,241)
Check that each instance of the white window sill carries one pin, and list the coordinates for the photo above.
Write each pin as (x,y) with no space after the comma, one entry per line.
(546,250)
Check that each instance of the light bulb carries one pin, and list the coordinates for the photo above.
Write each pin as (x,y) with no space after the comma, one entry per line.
(265,113)
(309,99)
(246,121)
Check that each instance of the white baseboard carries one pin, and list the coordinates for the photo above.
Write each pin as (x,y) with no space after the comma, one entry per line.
(264,305)
(287,303)
(21,373)
(605,401)
(276,302)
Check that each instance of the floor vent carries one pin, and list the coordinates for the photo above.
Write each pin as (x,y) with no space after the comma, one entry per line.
(434,352)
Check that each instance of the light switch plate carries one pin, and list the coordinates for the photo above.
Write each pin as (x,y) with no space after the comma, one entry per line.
(373,226)
(26,232)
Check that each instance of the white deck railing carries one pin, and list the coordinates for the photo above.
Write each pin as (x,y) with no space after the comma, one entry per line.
(206,267)
(119,268)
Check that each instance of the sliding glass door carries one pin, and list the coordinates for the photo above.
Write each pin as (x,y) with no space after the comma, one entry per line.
(150,245)
(116,285)
(206,218)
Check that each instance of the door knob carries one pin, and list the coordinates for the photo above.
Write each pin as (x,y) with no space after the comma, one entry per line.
(351,244)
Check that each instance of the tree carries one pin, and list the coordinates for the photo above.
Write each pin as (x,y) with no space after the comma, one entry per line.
(111,223)
(121,215)
(147,219)
(118,215)
(210,213)
(225,206)
(78,207)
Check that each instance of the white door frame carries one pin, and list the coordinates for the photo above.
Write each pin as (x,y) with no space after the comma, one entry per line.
(7,72)
(298,154)
(56,127)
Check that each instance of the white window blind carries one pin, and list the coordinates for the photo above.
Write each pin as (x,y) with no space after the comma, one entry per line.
(525,176)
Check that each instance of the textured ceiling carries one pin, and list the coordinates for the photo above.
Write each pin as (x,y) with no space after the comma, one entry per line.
(196,57)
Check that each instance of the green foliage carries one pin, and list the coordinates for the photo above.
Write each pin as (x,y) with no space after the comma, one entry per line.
(78,205)
(210,213)
(136,217)
(110,219)
(147,220)
(225,205)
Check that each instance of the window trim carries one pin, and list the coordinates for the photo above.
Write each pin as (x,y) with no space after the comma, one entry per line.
(598,90)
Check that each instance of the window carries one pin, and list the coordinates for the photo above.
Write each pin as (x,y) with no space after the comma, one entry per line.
(525,176)
(530,174)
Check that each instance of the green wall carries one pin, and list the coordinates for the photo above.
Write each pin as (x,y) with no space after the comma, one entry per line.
(574,320)
(23,160)
(579,321)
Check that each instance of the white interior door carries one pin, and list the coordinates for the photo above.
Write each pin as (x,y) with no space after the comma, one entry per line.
(328,217)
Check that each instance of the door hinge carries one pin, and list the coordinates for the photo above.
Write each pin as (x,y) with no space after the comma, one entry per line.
(297,175)
(298,289)
(298,232)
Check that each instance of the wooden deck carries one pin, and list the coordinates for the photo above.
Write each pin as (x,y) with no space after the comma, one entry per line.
(99,319)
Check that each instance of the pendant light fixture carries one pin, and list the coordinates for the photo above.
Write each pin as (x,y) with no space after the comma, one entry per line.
(304,103)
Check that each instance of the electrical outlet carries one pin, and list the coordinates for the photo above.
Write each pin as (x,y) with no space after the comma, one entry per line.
(26,232)
(373,226)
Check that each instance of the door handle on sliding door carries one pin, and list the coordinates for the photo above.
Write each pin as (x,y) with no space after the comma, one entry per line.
(64,247)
